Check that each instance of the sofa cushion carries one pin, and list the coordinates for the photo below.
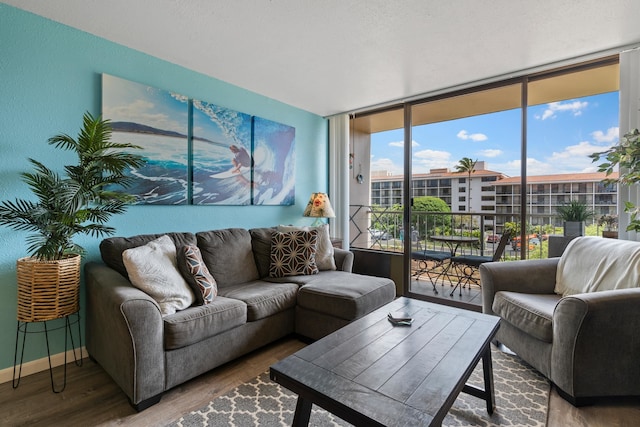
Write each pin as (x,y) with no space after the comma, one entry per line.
(591,264)
(153,269)
(344,295)
(293,253)
(324,253)
(261,244)
(197,323)
(531,313)
(298,280)
(196,273)
(111,248)
(263,299)
(228,255)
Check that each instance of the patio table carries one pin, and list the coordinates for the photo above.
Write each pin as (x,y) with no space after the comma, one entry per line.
(454,242)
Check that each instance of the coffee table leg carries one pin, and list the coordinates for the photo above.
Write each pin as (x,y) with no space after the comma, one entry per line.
(487,369)
(303,412)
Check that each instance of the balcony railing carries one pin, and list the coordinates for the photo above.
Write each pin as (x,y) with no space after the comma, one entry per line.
(381,228)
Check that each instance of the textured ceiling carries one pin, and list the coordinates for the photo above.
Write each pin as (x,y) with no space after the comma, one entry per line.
(332,56)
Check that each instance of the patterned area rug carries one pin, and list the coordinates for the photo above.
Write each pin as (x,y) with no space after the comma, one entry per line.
(522,398)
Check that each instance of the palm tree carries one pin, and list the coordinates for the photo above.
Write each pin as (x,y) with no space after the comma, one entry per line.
(467,165)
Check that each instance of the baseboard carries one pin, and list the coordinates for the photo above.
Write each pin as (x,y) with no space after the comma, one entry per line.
(40,365)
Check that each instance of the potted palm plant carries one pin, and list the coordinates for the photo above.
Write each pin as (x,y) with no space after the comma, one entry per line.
(574,214)
(77,202)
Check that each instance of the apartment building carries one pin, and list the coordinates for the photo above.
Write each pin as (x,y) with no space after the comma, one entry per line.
(455,188)
(494,193)
(546,192)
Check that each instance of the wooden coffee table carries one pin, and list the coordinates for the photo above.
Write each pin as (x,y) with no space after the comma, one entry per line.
(371,373)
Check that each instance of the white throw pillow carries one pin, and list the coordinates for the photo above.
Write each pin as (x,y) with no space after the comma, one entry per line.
(324,251)
(153,269)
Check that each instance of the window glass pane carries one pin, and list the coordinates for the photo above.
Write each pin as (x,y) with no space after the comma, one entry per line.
(376,182)
(561,136)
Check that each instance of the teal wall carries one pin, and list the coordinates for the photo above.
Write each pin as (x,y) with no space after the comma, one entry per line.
(50,75)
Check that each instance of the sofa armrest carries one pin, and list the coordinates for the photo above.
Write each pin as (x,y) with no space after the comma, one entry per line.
(535,276)
(596,345)
(344,259)
(124,332)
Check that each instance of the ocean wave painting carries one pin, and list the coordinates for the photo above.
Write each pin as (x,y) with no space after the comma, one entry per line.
(156,120)
(224,158)
(274,168)
(220,136)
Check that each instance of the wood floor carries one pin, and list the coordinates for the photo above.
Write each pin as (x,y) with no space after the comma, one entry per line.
(93,399)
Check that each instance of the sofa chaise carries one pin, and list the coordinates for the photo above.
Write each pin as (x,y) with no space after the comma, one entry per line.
(147,352)
(574,318)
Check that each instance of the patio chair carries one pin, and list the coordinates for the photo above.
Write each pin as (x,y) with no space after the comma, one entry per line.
(466,266)
(438,268)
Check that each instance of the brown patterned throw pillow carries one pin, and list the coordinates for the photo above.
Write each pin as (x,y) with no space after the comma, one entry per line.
(325,252)
(293,253)
(197,275)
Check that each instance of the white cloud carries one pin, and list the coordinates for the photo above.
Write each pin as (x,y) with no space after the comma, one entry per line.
(425,160)
(575,158)
(609,137)
(534,167)
(547,113)
(574,107)
(573,153)
(432,154)
(490,153)
(572,159)
(401,144)
(463,134)
(385,164)
(537,167)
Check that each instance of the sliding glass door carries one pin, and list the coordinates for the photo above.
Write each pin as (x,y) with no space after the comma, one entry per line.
(460,146)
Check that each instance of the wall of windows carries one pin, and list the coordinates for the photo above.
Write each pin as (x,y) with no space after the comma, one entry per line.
(522,130)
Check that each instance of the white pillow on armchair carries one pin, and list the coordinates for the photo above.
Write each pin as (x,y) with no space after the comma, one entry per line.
(591,264)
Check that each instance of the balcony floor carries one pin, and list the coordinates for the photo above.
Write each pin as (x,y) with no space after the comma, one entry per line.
(471,298)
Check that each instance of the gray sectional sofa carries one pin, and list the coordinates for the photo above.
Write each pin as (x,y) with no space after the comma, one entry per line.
(147,353)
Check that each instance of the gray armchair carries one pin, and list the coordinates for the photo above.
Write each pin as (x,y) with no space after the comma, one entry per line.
(587,344)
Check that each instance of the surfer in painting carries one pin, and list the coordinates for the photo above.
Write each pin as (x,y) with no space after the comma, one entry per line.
(240,158)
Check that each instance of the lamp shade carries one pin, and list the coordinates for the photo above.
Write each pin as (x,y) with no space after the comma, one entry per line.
(319,206)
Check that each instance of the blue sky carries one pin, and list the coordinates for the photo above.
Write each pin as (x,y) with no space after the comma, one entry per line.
(561,135)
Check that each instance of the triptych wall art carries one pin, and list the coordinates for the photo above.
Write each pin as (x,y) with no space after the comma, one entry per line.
(198,152)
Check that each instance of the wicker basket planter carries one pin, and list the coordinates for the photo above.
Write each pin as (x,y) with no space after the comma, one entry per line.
(48,290)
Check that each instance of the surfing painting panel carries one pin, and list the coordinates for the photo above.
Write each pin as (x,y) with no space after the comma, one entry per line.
(274,163)
(158,121)
(221,155)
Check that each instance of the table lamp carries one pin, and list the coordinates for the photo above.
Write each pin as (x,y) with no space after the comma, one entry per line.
(318,207)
